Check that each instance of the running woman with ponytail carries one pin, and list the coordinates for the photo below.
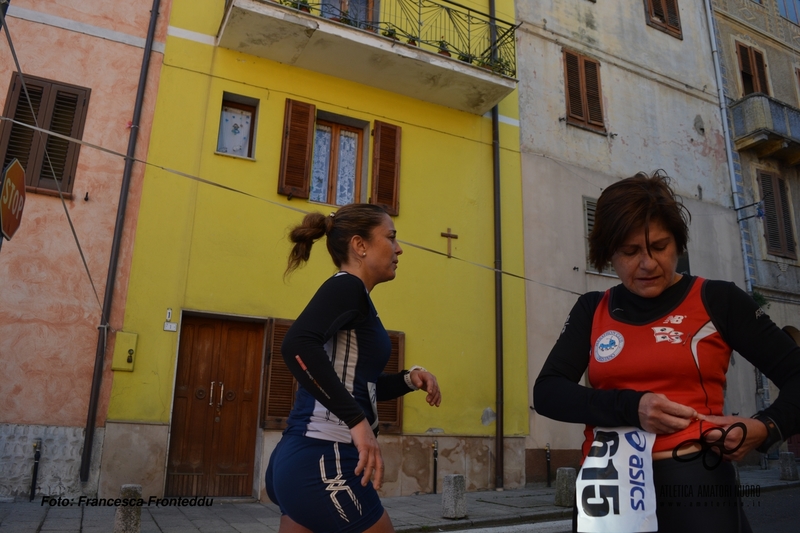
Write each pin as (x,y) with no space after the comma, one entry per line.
(325,470)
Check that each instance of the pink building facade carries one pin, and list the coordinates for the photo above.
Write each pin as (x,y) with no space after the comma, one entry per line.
(82,62)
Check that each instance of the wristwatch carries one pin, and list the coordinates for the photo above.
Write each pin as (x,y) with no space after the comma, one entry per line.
(774,435)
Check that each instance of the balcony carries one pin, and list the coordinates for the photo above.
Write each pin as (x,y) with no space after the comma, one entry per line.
(439,52)
(768,127)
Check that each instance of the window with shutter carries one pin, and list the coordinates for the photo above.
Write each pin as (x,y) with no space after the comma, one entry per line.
(584,98)
(753,70)
(664,15)
(279,383)
(50,162)
(280,386)
(323,154)
(390,412)
(589,206)
(778,227)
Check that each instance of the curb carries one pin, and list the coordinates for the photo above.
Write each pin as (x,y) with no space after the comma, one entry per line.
(466,523)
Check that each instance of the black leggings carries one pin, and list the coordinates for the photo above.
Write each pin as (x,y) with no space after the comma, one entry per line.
(692,499)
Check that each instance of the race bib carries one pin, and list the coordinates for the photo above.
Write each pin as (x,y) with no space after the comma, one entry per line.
(614,489)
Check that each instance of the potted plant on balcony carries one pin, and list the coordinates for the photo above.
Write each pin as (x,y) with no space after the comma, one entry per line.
(501,66)
(301,5)
(412,41)
(391,33)
(444,49)
(466,57)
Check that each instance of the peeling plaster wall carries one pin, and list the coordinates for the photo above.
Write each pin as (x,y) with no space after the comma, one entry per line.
(59,461)
(661,111)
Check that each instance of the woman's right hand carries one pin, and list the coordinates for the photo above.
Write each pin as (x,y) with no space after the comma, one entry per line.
(657,414)
(369,454)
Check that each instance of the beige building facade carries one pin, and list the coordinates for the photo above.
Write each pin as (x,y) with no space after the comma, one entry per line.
(759,44)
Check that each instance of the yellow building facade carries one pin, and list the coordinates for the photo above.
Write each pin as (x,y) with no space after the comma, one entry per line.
(266,112)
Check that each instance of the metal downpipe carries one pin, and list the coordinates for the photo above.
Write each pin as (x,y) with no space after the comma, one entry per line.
(723,110)
(97,377)
(498,277)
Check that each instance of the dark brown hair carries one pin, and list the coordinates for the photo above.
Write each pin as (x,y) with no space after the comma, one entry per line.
(633,203)
(339,227)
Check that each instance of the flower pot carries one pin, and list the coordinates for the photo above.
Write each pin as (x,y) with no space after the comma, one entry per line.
(445,53)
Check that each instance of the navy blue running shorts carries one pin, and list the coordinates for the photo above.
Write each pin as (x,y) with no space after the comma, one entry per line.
(313,482)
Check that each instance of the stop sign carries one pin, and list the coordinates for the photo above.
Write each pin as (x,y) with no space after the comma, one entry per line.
(12,198)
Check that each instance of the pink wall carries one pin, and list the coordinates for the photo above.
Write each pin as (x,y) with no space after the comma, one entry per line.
(48,311)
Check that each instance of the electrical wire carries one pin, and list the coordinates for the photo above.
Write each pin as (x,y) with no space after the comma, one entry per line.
(272,202)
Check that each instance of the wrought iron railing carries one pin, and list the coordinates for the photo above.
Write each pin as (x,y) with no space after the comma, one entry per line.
(444,27)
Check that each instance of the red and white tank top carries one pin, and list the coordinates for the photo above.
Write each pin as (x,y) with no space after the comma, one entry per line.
(680,355)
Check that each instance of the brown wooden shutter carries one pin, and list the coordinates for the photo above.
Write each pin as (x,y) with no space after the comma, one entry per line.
(18,141)
(65,114)
(386,167)
(594,105)
(786,219)
(390,412)
(298,138)
(572,72)
(771,226)
(778,229)
(657,10)
(279,383)
(673,19)
(761,72)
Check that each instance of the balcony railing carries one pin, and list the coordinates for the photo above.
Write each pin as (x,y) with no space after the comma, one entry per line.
(444,27)
(767,126)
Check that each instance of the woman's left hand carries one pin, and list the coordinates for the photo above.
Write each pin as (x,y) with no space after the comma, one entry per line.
(756,433)
(424,380)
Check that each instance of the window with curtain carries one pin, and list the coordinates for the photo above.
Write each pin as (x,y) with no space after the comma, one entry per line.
(50,162)
(336,167)
(322,157)
(237,125)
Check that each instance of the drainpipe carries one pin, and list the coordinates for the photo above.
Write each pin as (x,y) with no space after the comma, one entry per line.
(498,277)
(723,111)
(97,377)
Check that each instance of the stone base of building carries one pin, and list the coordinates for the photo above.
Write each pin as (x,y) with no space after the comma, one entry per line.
(59,462)
(137,453)
(536,463)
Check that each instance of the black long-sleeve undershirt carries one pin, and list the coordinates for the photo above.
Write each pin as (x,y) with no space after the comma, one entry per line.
(742,324)
(341,303)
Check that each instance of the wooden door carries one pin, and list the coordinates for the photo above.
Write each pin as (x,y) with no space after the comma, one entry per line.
(215,409)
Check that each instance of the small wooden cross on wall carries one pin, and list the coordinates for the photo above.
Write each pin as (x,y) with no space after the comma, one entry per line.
(449,236)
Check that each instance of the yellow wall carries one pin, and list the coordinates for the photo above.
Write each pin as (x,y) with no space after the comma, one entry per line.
(203,248)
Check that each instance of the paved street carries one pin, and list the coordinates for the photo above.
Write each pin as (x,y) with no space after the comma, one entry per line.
(528,510)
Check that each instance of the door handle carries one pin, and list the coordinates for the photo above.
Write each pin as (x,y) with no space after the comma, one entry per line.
(221,393)
(211,395)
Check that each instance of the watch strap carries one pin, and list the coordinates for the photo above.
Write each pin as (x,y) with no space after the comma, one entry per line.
(774,434)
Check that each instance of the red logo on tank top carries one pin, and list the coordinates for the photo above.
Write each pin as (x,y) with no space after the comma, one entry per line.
(665,334)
